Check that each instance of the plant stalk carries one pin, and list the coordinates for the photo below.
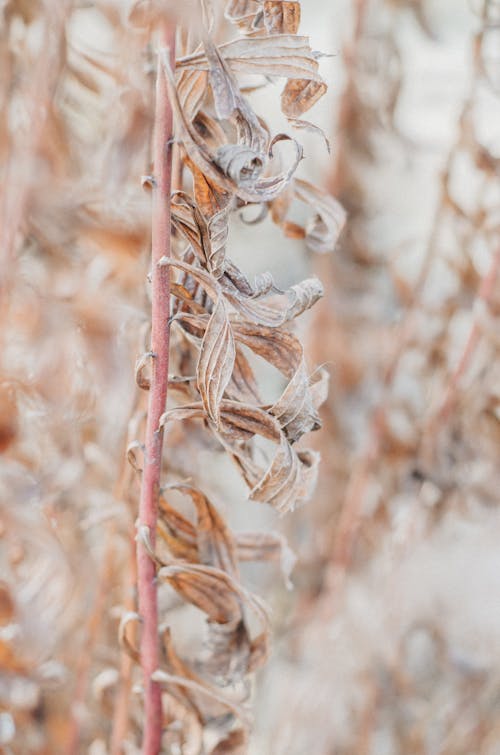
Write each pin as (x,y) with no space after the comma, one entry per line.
(150,486)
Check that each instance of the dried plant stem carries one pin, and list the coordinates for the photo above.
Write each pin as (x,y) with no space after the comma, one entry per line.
(122,492)
(148,506)
(484,296)
(92,628)
(121,711)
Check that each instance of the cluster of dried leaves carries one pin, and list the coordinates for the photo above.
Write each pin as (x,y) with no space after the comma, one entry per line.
(75,138)
(220,322)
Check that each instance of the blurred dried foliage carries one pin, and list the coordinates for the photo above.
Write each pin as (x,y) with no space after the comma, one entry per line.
(406,504)
(389,642)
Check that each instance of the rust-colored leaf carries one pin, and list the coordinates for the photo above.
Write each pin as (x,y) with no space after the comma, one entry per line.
(299,95)
(327,221)
(281,16)
(234,744)
(215,542)
(215,364)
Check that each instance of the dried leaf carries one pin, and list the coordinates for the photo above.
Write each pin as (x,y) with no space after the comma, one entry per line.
(281,16)
(282,55)
(202,688)
(246,14)
(215,543)
(199,696)
(249,190)
(281,309)
(296,409)
(215,364)
(325,226)
(191,87)
(300,94)
(209,589)
(312,128)
(234,744)
(290,477)
(267,546)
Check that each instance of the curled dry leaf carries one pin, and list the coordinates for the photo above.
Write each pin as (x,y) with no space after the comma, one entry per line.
(234,168)
(281,55)
(325,225)
(215,544)
(290,477)
(296,409)
(199,696)
(299,95)
(267,546)
(247,15)
(312,128)
(281,16)
(234,744)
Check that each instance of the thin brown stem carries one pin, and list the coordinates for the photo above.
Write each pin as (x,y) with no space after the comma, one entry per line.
(92,628)
(484,295)
(148,506)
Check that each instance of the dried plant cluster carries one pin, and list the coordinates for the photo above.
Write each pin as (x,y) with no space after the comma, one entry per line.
(75,233)
(219,322)
(132,582)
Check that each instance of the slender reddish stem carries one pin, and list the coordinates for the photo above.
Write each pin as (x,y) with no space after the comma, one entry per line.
(148,507)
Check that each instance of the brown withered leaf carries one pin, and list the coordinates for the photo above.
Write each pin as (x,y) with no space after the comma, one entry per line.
(209,589)
(247,15)
(281,16)
(299,95)
(243,384)
(203,688)
(325,225)
(303,296)
(280,309)
(181,723)
(282,55)
(230,650)
(198,698)
(207,238)
(244,182)
(290,477)
(214,592)
(251,136)
(215,542)
(192,87)
(224,88)
(302,125)
(177,532)
(210,285)
(266,546)
(216,360)
(296,408)
(234,744)
(247,300)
